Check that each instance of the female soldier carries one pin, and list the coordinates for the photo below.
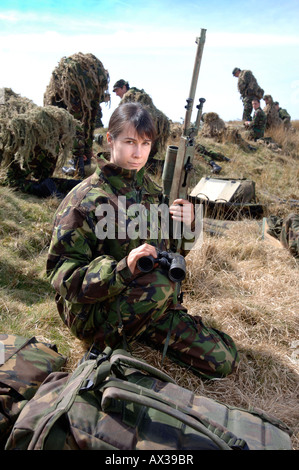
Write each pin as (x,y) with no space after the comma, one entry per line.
(102,296)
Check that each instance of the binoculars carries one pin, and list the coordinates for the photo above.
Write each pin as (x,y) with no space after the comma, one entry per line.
(173,263)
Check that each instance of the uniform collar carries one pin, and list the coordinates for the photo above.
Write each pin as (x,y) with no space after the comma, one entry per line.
(118,176)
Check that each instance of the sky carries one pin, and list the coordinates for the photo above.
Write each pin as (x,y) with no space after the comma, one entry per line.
(152,45)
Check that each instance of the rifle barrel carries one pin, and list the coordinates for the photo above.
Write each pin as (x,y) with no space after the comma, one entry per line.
(200,45)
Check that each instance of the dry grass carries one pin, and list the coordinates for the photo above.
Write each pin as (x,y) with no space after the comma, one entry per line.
(249,289)
(237,281)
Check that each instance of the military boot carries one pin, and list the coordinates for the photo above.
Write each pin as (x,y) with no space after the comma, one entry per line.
(215,168)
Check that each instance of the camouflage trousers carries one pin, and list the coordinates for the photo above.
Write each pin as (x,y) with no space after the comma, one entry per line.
(247,108)
(254,134)
(147,311)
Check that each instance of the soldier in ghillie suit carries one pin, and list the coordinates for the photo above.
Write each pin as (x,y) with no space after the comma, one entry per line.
(257,126)
(272,114)
(78,84)
(31,145)
(11,104)
(213,126)
(249,89)
(284,115)
(102,295)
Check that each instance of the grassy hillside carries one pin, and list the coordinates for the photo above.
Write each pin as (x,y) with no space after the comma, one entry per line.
(237,281)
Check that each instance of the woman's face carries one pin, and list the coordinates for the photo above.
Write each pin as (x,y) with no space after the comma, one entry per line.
(129,150)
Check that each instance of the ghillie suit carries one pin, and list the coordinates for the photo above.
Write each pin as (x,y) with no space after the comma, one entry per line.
(161,121)
(249,89)
(78,84)
(285,118)
(273,119)
(98,120)
(31,144)
(176,130)
(213,126)
(233,136)
(12,104)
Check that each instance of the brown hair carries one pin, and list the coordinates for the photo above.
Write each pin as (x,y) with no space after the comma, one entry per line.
(133,114)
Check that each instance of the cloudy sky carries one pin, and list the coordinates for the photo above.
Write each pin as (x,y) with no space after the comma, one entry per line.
(152,45)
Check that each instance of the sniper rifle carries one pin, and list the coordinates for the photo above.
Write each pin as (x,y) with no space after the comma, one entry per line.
(178,160)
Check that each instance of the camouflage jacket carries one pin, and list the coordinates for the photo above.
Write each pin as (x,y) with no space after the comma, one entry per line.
(258,123)
(248,86)
(283,114)
(83,266)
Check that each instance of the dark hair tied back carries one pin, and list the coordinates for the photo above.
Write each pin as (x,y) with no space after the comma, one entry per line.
(134,114)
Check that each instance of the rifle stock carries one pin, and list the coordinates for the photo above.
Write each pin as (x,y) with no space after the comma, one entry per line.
(178,161)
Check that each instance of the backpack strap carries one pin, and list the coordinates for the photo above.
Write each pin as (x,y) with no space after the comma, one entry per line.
(120,357)
(66,398)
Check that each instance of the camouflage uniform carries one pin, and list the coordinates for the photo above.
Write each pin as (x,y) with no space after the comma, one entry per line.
(285,117)
(249,89)
(100,300)
(210,156)
(257,125)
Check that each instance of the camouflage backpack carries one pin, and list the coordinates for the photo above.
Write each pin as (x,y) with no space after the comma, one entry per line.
(118,402)
(24,365)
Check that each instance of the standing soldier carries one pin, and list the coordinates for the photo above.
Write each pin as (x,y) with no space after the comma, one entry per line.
(78,84)
(249,90)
